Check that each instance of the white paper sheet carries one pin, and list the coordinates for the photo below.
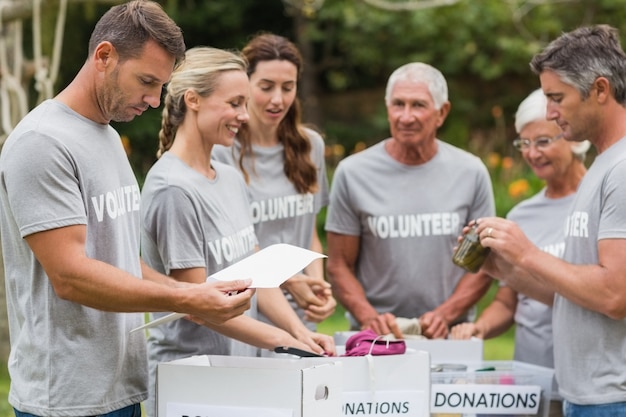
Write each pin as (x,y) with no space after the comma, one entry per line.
(267,268)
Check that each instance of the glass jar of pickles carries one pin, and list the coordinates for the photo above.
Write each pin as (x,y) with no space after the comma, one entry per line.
(470,254)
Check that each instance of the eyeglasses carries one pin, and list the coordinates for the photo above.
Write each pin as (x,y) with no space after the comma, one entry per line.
(540,143)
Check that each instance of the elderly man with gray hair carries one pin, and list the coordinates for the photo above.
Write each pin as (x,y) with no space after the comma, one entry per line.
(396,210)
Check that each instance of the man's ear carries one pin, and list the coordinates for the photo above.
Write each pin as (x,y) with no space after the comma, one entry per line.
(443,113)
(602,86)
(105,56)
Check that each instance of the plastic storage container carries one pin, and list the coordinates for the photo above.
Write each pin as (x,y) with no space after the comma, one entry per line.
(490,388)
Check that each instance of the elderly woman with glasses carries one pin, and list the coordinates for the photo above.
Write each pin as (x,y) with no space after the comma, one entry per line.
(561,165)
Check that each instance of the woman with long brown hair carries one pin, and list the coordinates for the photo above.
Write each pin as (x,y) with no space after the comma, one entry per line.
(283,164)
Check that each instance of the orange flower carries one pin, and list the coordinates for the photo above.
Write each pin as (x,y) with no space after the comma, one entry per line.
(359,146)
(496,112)
(507,162)
(519,188)
(126,144)
(338,150)
(493,160)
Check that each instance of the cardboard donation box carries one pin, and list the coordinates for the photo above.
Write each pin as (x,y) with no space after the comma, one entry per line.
(503,388)
(232,386)
(440,350)
(386,385)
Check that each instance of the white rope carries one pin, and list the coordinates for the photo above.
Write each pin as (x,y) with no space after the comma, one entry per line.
(409,4)
(41,72)
(58,40)
(13,94)
(13,99)
(46,75)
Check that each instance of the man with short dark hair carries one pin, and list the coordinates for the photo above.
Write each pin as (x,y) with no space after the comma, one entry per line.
(70,217)
(583,75)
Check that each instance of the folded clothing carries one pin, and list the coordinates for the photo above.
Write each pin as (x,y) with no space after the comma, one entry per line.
(367,342)
(410,328)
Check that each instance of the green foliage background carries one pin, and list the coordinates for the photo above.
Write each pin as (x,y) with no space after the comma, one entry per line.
(482,47)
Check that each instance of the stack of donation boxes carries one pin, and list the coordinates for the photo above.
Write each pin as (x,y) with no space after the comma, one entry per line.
(464,385)
(436,378)
(287,386)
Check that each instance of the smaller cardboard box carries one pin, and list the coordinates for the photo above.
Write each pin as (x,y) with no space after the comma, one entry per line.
(232,386)
(389,385)
(440,350)
(504,388)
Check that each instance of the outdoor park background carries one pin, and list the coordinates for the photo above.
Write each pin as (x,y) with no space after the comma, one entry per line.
(350,47)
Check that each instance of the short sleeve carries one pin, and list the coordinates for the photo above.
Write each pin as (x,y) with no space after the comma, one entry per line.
(42,183)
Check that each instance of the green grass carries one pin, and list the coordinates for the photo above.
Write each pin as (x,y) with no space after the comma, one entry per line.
(5,409)
(499,348)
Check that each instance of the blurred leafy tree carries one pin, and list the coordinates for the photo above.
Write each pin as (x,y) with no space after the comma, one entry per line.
(482,47)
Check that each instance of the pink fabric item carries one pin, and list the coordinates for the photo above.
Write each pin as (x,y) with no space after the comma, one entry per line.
(367,342)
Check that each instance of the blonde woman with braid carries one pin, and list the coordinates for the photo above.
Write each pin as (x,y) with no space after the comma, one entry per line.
(283,164)
(196,217)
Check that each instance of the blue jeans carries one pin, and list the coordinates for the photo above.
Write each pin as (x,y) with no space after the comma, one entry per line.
(130,411)
(595,410)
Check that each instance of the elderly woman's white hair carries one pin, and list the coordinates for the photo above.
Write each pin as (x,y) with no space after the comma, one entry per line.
(532,109)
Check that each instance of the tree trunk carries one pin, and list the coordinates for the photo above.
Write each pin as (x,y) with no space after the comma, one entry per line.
(308,84)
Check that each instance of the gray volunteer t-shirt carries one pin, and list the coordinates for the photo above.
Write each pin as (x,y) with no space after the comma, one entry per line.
(280,214)
(190,221)
(408,219)
(589,347)
(60,169)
